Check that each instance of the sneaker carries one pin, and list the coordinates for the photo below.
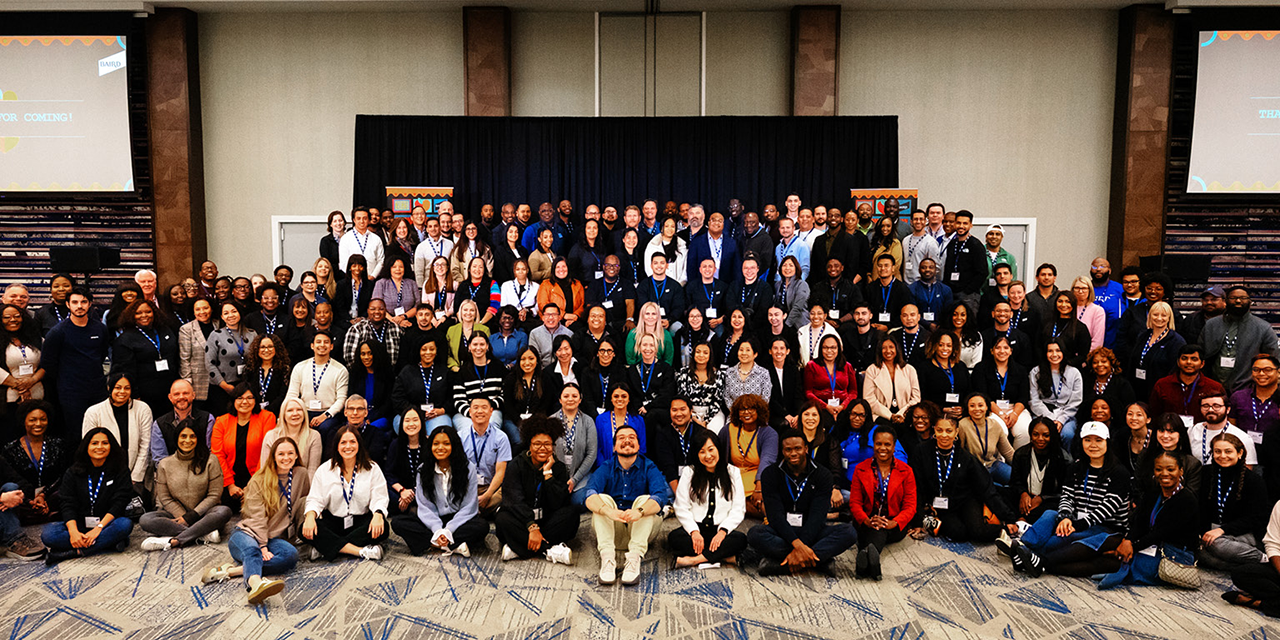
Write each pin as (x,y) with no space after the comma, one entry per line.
(1004,543)
(155,544)
(315,554)
(772,568)
(631,568)
(266,589)
(932,525)
(860,565)
(1016,556)
(560,554)
(213,537)
(508,554)
(217,573)
(54,557)
(873,562)
(371,552)
(1032,563)
(608,570)
(26,548)
(463,550)
(668,511)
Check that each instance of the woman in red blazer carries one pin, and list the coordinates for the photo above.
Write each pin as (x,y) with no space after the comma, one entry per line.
(830,380)
(882,498)
(239,460)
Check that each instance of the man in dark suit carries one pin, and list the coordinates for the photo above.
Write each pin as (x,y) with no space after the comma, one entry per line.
(718,246)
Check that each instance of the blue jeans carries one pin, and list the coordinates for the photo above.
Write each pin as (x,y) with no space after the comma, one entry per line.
(10,528)
(1043,539)
(244,549)
(1001,472)
(512,431)
(56,536)
(1068,434)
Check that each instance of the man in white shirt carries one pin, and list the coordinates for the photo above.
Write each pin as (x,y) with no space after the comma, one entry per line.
(435,245)
(805,231)
(1200,435)
(321,384)
(792,203)
(362,241)
(935,213)
(489,451)
(915,249)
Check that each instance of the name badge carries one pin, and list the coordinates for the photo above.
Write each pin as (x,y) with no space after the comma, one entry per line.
(30,369)
(1227,363)
(91,522)
(844,462)
(482,481)
(991,282)
(399,311)
(608,304)
(681,469)
(1080,515)
(941,502)
(314,405)
(1004,405)
(568,460)
(599,275)
(161,365)
(600,411)
(711,312)
(537,513)
(953,397)
(239,369)
(1140,374)
(833,402)
(927,316)
(1149,551)
(441,314)
(884,317)
(348,522)
(835,313)
(955,276)
(428,408)
(525,416)
(663,311)
(795,519)
(1188,421)
(1256,436)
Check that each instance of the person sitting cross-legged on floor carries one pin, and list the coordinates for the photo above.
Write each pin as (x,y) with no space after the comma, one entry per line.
(628,478)
(448,506)
(710,504)
(188,492)
(96,490)
(347,504)
(537,515)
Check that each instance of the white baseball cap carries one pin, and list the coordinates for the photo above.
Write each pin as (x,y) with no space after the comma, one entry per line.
(1095,429)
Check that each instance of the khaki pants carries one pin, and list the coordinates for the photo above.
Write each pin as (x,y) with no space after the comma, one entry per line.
(493,504)
(636,536)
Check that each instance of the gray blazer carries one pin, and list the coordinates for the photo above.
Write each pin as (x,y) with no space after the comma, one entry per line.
(1254,336)
(192,366)
(585,446)
(222,356)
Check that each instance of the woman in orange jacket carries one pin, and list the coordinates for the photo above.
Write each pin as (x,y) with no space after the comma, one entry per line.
(563,290)
(237,442)
(882,498)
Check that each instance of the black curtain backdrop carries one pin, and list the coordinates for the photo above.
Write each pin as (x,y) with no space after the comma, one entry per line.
(621,161)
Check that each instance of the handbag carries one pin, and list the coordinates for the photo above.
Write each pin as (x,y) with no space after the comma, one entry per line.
(1178,567)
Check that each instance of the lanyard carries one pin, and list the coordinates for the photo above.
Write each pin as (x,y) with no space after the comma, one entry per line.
(58,314)
(155,342)
(427,375)
(608,291)
(361,244)
(796,489)
(951,376)
(1003,380)
(684,442)
(288,491)
(749,289)
(1057,330)
(1058,384)
(943,478)
(717,249)
(93,491)
(474,289)
(1257,414)
(315,381)
(39,465)
(882,483)
(728,347)
(885,292)
(710,293)
(1100,386)
(815,336)
(737,442)
(380,335)
(440,295)
(264,382)
(436,248)
(1017,318)
(399,294)
(347,495)
(647,377)
(570,429)
(835,296)
(1221,495)
(1188,393)
(657,295)
(1150,343)
(908,348)
(479,377)
(1204,443)
(986,436)
(235,339)
(1160,502)
(1085,490)
(477,453)
(270,321)
(604,386)
(831,378)
(520,291)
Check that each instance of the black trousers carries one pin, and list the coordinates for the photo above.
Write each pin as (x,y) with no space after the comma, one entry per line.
(966,523)
(681,543)
(416,535)
(557,527)
(879,537)
(331,536)
(1261,581)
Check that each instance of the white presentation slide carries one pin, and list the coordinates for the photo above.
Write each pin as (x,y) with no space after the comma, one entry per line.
(64,114)
(1235,140)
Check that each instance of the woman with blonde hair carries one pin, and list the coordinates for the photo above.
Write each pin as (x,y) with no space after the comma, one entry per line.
(293,425)
(1155,353)
(459,335)
(1088,312)
(326,279)
(650,325)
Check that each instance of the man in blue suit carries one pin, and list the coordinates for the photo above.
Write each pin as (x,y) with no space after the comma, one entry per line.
(718,246)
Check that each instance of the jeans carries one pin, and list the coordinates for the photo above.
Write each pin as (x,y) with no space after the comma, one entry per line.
(161,523)
(512,431)
(834,540)
(56,536)
(1068,434)
(10,528)
(461,422)
(1001,472)
(244,549)
(1228,552)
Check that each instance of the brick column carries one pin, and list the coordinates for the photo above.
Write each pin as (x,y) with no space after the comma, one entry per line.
(815,45)
(486,45)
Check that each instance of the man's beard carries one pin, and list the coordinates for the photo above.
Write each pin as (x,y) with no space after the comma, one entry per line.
(1237,312)
(1098,283)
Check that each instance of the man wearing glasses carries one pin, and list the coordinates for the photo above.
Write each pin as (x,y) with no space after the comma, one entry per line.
(1253,408)
(1201,435)
(1234,338)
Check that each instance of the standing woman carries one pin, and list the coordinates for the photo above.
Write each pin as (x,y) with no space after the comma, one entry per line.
(943,378)
(565,368)
(1039,469)
(1234,508)
(188,486)
(745,376)
(1155,353)
(578,446)
(39,460)
(329,241)
(372,379)
(459,335)
(987,437)
(564,290)
(399,291)
(237,442)
(702,385)
(650,324)
(890,385)
(507,253)
(426,387)
(176,306)
(192,338)
(267,370)
(882,498)
(294,426)
(56,311)
(652,384)
(1007,384)
(527,391)
(1057,390)
(468,248)
(752,445)
(631,255)
(128,420)
(694,332)
(710,503)
(480,289)
(829,379)
(726,344)
(618,416)
(1067,330)
(956,321)
(586,258)
(400,246)
(351,301)
(541,259)
(96,490)
(605,372)
(791,292)
(224,354)
(300,331)
(438,290)
(448,508)
(537,514)
(327,281)
(147,351)
(885,241)
(479,377)
(521,294)
(1092,315)
(20,369)
(125,295)
(404,462)
(1102,380)
(349,499)
(673,247)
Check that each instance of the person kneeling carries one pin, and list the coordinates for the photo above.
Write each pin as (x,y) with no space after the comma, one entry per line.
(796,497)
(349,498)
(96,490)
(710,504)
(627,478)
(263,542)
(188,490)
(537,514)
(448,503)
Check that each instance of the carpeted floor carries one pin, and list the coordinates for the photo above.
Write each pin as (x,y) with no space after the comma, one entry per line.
(931,589)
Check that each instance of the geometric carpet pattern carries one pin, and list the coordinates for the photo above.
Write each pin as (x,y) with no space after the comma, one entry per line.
(931,589)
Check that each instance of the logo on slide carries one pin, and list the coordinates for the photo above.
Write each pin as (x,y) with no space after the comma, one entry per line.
(114,62)
(8,143)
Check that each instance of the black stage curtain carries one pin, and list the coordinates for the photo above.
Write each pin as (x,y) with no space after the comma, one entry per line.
(621,161)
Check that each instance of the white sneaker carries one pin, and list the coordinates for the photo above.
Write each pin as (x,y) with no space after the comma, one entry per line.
(265,589)
(463,551)
(213,537)
(217,573)
(315,554)
(155,544)
(560,554)
(608,570)
(508,554)
(631,568)
(371,552)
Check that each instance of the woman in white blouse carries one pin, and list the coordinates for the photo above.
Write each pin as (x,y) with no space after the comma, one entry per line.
(1089,312)
(810,335)
(710,504)
(20,371)
(347,504)
(674,246)
(128,420)
(521,293)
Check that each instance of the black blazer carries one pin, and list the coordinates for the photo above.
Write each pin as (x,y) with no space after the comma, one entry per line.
(661,383)
(787,394)
(666,451)
(342,301)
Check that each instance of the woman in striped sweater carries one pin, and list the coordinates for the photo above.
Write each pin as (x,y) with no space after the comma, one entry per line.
(480,376)
(1091,520)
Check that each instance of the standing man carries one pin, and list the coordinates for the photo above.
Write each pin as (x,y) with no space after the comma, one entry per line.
(546,220)
(997,254)
(1181,391)
(718,246)
(851,250)
(1041,297)
(788,245)
(362,241)
(1213,302)
(935,213)
(321,384)
(792,203)
(886,295)
(631,480)
(145,278)
(1234,338)
(73,355)
(918,246)
(1106,294)
(435,245)
(866,223)
(930,295)
(755,239)
(965,269)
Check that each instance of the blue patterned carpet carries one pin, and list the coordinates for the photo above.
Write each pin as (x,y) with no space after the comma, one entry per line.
(931,590)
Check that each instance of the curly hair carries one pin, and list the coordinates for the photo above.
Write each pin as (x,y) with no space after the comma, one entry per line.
(1106,353)
(538,424)
(281,359)
(749,401)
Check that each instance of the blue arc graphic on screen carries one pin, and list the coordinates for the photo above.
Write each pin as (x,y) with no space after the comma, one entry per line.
(1212,39)
(1201,182)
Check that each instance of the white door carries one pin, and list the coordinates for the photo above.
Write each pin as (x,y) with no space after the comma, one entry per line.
(297,242)
(1019,240)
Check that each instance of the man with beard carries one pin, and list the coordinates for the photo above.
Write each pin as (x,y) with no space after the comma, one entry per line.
(1234,338)
(771,221)
(820,218)
(852,250)
(733,223)
(866,226)
(918,245)
(756,238)
(609,221)
(1106,294)
(547,219)
(697,224)
(1156,287)
(1212,303)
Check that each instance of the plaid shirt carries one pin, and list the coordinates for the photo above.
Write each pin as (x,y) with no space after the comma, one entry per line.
(366,330)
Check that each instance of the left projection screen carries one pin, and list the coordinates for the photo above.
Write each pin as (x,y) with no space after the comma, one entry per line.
(64,114)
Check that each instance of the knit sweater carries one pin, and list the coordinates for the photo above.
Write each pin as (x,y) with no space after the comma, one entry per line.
(180,492)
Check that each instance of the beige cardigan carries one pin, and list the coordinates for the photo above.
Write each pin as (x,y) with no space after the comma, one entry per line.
(879,390)
(138,448)
(997,440)
(254,520)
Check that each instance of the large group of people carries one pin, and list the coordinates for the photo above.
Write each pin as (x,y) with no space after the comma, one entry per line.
(787,385)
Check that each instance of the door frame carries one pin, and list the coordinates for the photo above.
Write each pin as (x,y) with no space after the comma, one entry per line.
(1029,223)
(277,233)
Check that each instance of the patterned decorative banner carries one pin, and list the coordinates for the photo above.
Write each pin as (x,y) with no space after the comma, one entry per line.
(402,200)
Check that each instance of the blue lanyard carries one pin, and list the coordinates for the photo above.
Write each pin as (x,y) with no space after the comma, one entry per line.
(360,244)
(951,376)
(604,387)
(315,380)
(380,335)
(235,339)
(288,491)
(1222,496)
(796,489)
(831,378)
(710,293)
(943,478)
(647,377)
(986,436)
(58,314)
(1057,330)
(472,290)
(479,377)
(1147,347)
(885,291)
(570,430)
(399,295)
(1058,384)
(1003,380)
(1085,490)
(269,324)
(1258,414)
(737,442)
(748,289)
(39,465)
(908,348)
(1189,393)
(684,443)
(728,347)
(440,295)
(1160,502)
(348,495)
(264,382)
(520,291)
(478,452)
(155,342)
(657,295)
(608,292)
(717,249)
(427,375)
(93,490)
(882,483)
(1017,318)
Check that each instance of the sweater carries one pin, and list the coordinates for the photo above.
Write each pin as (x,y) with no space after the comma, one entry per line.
(309,446)
(73,359)
(184,494)
(1244,502)
(1100,499)
(524,489)
(577,448)
(325,384)
(138,448)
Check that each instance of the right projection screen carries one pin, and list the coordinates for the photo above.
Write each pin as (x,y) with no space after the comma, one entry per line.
(1235,140)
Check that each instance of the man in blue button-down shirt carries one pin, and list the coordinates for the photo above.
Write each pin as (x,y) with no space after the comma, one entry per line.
(489,451)
(628,479)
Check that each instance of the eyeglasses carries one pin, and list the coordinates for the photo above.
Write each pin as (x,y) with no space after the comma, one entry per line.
(541,445)
(243,286)
(1214,405)
(608,351)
